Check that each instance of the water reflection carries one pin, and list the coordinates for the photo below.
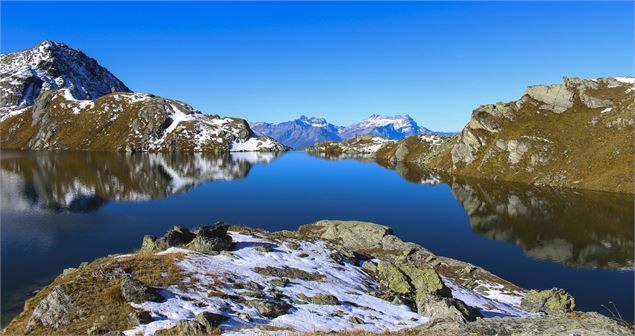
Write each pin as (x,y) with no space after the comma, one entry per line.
(578,228)
(78,182)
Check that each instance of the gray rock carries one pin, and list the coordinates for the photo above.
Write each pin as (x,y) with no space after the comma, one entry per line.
(557,98)
(210,245)
(138,317)
(550,301)
(134,291)
(269,308)
(210,320)
(53,311)
(324,299)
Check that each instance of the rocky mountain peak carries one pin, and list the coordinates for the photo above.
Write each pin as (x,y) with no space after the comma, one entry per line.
(53,65)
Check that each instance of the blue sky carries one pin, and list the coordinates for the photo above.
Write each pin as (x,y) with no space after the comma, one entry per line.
(436,61)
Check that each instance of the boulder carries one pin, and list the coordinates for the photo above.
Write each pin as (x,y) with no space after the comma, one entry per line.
(210,245)
(210,320)
(135,291)
(550,301)
(446,309)
(324,299)
(391,277)
(53,311)
(352,235)
(269,308)
(557,98)
(138,317)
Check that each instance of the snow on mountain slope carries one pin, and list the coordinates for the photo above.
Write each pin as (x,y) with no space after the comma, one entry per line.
(53,97)
(51,65)
(305,132)
(396,127)
(299,133)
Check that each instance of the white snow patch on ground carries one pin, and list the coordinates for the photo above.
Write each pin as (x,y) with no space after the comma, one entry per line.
(606,110)
(252,145)
(493,302)
(215,273)
(627,80)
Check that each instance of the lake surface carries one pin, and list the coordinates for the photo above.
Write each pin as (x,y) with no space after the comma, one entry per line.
(59,209)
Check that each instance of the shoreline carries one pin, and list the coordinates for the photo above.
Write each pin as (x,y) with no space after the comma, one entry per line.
(454,294)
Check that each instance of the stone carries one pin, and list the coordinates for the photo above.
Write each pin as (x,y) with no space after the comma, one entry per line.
(356,320)
(264,248)
(444,308)
(324,299)
(288,272)
(53,311)
(269,308)
(138,317)
(135,291)
(210,245)
(557,98)
(550,301)
(425,280)
(215,230)
(210,321)
(390,276)
(149,243)
(279,282)
(351,235)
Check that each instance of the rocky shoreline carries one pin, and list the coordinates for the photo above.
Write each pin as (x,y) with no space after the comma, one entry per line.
(578,134)
(331,276)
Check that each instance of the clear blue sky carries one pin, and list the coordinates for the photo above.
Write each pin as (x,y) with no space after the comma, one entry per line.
(344,61)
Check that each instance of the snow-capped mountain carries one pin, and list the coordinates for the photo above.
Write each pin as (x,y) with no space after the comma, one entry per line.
(396,127)
(299,133)
(51,65)
(305,131)
(53,97)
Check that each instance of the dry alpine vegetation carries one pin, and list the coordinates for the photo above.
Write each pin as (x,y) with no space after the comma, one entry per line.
(576,135)
(336,277)
(57,98)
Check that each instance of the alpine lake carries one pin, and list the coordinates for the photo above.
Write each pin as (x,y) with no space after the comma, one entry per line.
(59,209)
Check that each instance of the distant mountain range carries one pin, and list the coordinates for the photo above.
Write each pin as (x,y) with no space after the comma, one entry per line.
(308,131)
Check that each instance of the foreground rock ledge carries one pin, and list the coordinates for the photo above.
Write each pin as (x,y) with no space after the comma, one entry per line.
(330,276)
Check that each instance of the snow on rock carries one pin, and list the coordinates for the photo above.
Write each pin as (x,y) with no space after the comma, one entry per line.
(221,274)
(48,66)
(254,145)
(491,299)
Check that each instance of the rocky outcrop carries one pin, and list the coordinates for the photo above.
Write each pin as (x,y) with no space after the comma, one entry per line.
(49,66)
(210,239)
(578,134)
(357,147)
(338,276)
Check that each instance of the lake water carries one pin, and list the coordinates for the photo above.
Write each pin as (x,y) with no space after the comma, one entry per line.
(59,209)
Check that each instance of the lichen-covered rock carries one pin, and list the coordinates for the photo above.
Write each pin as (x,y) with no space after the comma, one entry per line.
(350,234)
(550,301)
(324,299)
(390,276)
(53,311)
(135,291)
(269,308)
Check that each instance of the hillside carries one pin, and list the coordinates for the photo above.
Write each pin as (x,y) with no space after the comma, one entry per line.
(57,98)
(338,276)
(575,135)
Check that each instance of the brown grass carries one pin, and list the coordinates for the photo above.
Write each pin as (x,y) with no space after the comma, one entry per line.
(99,302)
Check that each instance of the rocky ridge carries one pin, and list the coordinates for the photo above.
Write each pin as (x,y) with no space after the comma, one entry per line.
(336,276)
(57,98)
(578,134)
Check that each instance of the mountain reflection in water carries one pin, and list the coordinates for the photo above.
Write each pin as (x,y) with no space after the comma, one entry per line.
(78,182)
(579,228)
